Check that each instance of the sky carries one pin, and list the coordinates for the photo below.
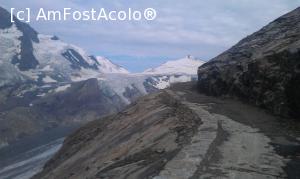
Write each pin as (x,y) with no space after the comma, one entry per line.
(192,27)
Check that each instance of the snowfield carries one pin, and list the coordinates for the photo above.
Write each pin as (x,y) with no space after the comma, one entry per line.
(187,65)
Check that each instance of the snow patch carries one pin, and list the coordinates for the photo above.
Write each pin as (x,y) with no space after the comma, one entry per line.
(47,68)
(41,95)
(48,79)
(106,66)
(62,88)
(162,82)
(33,75)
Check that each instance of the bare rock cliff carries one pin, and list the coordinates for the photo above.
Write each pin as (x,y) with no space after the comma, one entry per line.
(263,68)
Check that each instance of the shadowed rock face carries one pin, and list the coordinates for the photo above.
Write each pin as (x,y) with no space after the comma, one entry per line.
(77,60)
(263,68)
(5,19)
(81,102)
(132,92)
(26,60)
(84,97)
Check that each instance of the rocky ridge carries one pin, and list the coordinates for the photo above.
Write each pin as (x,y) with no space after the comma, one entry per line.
(262,69)
(176,133)
(183,134)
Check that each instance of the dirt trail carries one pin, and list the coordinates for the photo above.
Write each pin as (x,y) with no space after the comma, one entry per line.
(248,143)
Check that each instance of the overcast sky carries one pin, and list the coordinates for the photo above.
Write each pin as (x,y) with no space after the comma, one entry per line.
(200,28)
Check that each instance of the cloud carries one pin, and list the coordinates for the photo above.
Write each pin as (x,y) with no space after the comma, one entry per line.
(202,29)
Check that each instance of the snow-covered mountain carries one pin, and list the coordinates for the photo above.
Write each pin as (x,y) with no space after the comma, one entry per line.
(106,66)
(46,83)
(50,65)
(130,86)
(187,65)
(45,59)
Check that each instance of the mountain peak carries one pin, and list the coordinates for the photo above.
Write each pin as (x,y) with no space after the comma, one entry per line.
(107,66)
(186,65)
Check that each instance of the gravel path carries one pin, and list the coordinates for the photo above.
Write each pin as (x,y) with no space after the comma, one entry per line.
(225,148)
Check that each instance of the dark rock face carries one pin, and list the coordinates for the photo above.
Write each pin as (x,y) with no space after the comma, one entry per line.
(54,38)
(149,85)
(27,59)
(4,19)
(81,102)
(77,60)
(82,97)
(263,68)
(132,93)
(94,59)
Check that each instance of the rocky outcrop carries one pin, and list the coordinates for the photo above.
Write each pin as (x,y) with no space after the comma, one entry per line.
(135,143)
(263,68)
(25,60)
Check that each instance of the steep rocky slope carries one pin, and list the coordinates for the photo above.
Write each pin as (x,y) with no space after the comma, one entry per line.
(78,103)
(263,68)
(179,133)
